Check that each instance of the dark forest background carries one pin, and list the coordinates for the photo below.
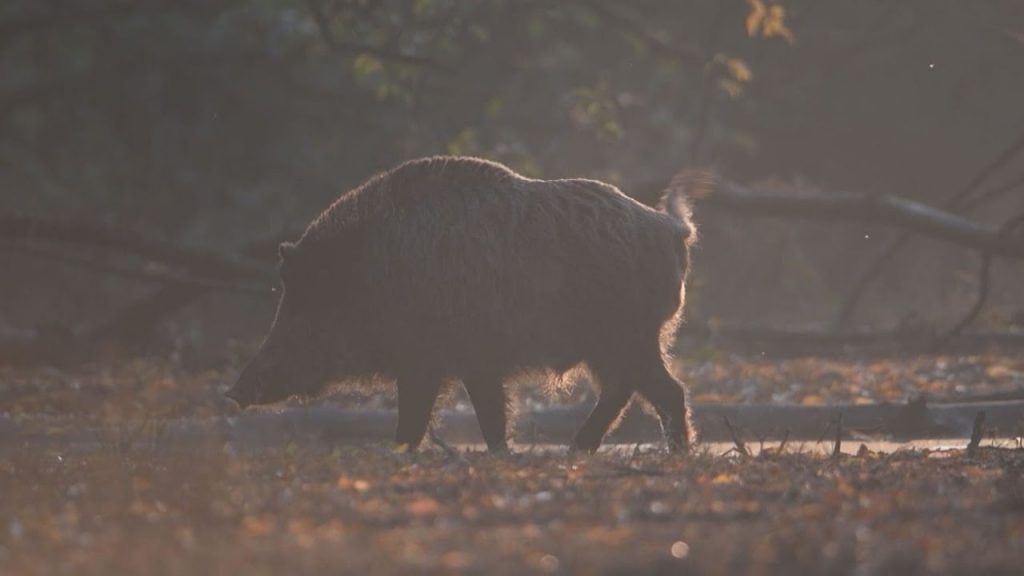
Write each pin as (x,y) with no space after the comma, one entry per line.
(225,125)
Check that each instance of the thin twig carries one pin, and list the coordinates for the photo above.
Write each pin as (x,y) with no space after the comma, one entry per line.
(984,282)
(837,448)
(977,434)
(785,439)
(960,199)
(636,452)
(161,277)
(866,278)
(964,195)
(448,449)
(994,193)
(740,446)
(760,442)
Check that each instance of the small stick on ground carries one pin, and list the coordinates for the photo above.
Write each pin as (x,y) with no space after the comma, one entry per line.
(636,452)
(837,448)
(760,442)
(448,449)
(977,433)
(740,446)
(785,439)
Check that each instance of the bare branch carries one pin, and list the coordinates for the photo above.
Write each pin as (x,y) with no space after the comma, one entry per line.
(452,453)
(977,433)
(984,281)
(912,216)
(959,201)
(963,197)
(837,446)
(741,448)
(201,263)
(996,192)
(156,276)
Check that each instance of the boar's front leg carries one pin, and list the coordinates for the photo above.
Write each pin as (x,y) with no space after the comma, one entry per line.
(488,398)
(416,398)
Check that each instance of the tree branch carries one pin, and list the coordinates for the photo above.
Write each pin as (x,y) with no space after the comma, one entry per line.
(153,276)
(959,201)
(912,216)
(201,263)
(984,281)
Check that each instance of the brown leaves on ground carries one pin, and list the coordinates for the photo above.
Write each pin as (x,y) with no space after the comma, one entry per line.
(316,509)
(111,508)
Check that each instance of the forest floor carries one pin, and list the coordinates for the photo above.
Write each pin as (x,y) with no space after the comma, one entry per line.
(317,508)
(313,509)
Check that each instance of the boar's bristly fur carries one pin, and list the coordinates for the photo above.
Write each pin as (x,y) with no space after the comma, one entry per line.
(460,269)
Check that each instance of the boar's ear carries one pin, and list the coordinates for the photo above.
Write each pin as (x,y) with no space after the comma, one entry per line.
(284,249)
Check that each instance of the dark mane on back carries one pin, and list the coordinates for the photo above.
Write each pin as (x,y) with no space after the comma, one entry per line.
(458,168)
(396,188)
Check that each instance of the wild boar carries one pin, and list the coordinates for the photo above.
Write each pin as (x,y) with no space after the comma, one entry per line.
(459,269)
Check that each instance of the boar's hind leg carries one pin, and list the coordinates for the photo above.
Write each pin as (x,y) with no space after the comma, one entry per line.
(488,398)
(416,398)
(614,396)
(668,397)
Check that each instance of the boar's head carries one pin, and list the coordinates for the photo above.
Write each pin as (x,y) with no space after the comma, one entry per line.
(296,357)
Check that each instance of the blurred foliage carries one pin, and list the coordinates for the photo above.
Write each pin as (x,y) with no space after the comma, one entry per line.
(768,21)
(213,119)
(216,122)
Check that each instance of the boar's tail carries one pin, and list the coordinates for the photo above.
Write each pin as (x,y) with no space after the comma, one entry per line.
(686,186)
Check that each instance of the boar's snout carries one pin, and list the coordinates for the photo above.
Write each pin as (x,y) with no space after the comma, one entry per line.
(275,375)
(245,393)
(248,389)
(240,397)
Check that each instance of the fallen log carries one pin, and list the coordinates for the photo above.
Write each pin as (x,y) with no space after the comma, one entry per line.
(914,420)
(781,342)
(907,214)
